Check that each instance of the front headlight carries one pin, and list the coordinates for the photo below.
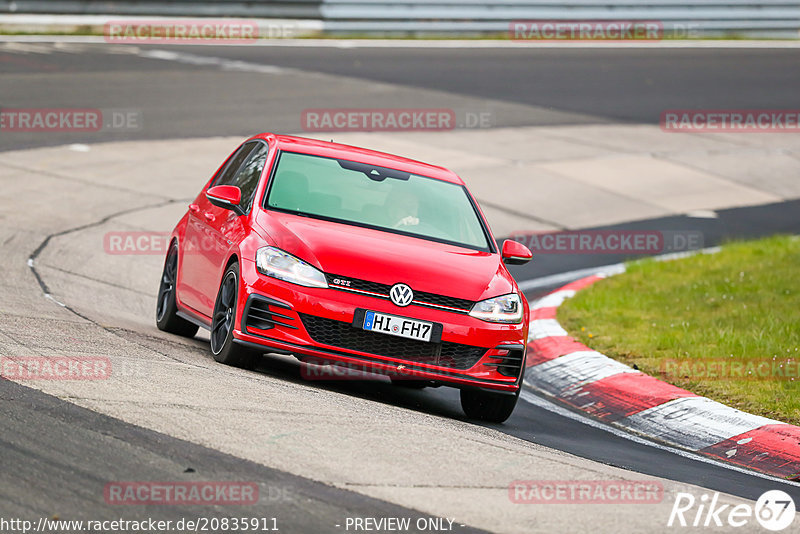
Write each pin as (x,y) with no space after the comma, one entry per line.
(504,309)
(276,263)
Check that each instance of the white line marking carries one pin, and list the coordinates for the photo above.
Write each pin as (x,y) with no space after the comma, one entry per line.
(553,300)
(686,254)
(489,43)
(693,422)
(545,404)
(603,270)
(702,214)
(542,328)
(49,296)
(224,64)
(566,374)
(439,43)
(563,278)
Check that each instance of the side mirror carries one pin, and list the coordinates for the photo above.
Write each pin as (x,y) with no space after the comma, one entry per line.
(226,197)
(515,253)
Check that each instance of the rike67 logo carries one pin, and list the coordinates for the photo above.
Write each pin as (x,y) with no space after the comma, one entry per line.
(774,511)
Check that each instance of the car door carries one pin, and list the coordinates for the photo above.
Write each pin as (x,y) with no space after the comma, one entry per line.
(225,228)
(199,261)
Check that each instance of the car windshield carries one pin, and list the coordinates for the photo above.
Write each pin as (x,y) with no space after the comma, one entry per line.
(377,197)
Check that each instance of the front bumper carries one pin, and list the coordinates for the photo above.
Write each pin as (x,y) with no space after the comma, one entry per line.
(316,325)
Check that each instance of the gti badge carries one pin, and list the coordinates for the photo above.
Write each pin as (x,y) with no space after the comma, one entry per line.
(401,295)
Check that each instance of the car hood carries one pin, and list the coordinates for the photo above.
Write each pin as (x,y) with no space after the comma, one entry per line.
(388,258)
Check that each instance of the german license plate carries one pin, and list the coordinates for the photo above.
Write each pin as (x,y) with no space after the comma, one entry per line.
(398,326)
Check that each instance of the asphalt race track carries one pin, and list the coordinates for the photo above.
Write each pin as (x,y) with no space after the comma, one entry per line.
(203,91)
(180,416)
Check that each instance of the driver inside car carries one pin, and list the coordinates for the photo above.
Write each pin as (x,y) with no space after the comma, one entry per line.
(403,209)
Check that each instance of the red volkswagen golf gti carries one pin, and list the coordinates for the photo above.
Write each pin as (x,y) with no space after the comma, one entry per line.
(342,255)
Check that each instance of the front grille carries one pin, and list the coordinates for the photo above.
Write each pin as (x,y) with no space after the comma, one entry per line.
(421,298)
(344,335)
(441,300)
(343,282)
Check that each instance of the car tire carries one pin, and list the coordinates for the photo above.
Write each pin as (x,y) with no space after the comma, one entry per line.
(487,405)
(166,308)
(223,348)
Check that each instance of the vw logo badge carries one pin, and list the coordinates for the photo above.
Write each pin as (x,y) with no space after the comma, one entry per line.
(401,295)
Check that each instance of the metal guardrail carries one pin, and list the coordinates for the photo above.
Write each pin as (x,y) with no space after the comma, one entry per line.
(481,16)
(449,16)
(300,9)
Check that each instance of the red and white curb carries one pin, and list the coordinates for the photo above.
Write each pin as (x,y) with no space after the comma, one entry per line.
(612,392)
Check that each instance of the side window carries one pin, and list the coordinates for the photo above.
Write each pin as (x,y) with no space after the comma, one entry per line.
(248,177)
(228,175)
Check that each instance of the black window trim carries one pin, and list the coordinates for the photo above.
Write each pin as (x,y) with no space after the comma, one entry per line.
(228,162)
(222,171)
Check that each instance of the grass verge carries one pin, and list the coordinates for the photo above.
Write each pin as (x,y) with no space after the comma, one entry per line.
(725,325)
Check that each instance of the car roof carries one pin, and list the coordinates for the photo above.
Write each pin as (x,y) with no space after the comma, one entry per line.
(317,147)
